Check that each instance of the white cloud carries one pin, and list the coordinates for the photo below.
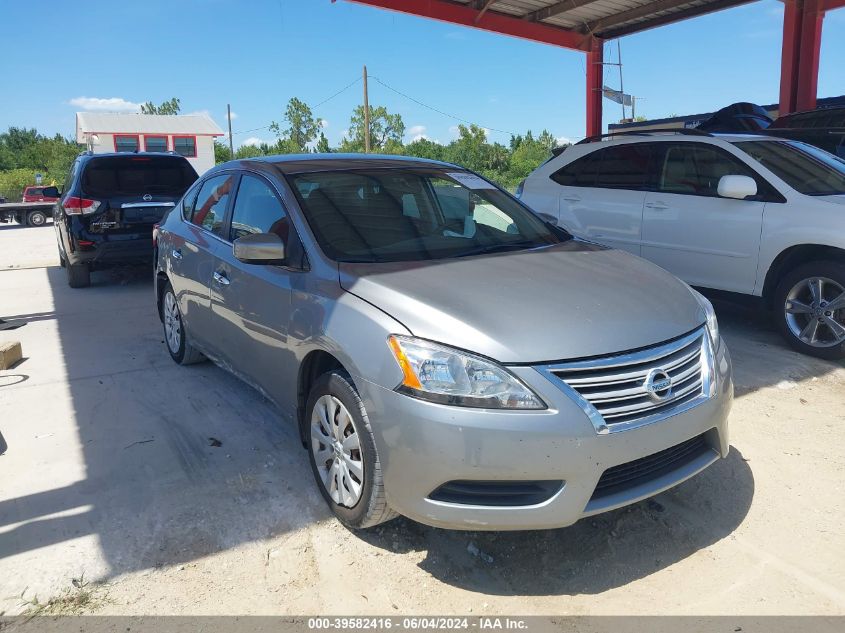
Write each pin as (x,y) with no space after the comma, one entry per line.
(454,131)
(324,124)
(112,104)
(254,141)
(200,113)
(233,115)
(563,140)
(417,132)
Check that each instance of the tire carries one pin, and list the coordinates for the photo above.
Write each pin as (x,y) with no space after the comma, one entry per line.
(810,309)
(78,275)
(357,506)
(36,218)
(175,337)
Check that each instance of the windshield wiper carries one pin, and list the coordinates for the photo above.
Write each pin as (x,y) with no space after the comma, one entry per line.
(497,248)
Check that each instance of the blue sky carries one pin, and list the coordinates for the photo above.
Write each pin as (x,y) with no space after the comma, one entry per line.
(256,54)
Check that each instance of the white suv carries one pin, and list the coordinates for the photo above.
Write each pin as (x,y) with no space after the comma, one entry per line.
(748,214)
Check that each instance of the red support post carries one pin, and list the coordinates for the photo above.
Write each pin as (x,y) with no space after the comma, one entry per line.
(595,77)
(808,58)
(799,72)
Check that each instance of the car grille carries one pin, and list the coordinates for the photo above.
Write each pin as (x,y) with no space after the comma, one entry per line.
(639,471)
(619,391)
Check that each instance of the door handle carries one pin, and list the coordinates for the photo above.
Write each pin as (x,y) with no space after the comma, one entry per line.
(659,206)
(176,253)
(572,198)
(220,278)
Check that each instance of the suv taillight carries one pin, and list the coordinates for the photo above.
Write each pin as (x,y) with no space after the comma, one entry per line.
(80,206)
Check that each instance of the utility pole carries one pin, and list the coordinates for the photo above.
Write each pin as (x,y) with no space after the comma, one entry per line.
(229,119)
(366,115)
(621,85)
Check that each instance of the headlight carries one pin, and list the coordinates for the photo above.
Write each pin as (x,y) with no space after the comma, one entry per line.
(448,376)
(709,315)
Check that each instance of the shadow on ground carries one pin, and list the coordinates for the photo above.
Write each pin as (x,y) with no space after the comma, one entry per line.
(157,492)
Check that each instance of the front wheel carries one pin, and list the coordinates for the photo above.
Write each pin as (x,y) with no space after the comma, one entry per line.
(810,303)
(343,453)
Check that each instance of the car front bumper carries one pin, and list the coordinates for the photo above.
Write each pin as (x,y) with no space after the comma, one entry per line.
(423,445)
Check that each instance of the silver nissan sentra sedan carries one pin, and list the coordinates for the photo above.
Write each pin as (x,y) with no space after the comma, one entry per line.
(446,354)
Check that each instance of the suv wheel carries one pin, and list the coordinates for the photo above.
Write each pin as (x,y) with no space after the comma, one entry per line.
(811,309)
(36,218)
(175,338)
(78,275)
(343,454)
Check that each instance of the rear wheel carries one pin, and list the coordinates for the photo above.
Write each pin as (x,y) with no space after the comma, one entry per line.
(36,218)
(343,453)
(811,309)
(78,275)
(180,349)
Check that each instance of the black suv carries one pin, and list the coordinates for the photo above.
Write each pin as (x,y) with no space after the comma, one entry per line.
(106,213)
(824,128)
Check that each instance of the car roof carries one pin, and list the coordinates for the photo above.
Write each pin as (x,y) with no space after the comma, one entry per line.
(296,163)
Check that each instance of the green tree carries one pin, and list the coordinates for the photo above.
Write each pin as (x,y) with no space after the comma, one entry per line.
(221,153)
(323,144)
(386,130)
(302,127)
(172,106)
(424,148)
(249,151)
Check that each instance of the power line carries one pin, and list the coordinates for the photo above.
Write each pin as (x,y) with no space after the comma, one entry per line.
(433,109)
(326,100)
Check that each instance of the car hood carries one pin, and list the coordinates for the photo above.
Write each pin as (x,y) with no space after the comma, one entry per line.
(571,300)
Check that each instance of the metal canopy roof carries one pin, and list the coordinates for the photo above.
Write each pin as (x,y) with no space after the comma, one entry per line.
(568,23)
(603,18)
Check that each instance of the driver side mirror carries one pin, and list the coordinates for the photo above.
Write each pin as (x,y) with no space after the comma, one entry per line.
(738,187)
(260,248)
(51,192)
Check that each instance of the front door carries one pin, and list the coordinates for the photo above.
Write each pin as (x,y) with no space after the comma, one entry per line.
(693,233)
(251,303)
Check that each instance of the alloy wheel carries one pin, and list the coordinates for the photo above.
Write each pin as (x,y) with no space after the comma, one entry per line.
(172,323)
(336,448)
(815,312)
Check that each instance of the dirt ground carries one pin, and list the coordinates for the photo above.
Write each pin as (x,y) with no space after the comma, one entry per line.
(110,486)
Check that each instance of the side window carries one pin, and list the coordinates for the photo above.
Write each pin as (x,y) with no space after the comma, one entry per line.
(209,210)
(623,166)
(126,143)
(258,210)
(579,173)
(189,202)
(695,169)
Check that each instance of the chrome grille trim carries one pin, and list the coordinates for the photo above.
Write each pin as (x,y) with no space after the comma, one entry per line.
(611,390)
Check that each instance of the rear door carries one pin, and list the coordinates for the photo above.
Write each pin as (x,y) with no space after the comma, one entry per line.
(693,233)
(251,303)
(194,248)
(603,192)
(134,192)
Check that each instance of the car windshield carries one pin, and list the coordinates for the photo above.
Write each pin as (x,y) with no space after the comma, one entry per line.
(807,169)
(404,214)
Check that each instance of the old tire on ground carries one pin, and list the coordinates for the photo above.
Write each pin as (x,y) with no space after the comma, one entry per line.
(36,218)
(175,337)
(343,453)
(810,309)
(78,275)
